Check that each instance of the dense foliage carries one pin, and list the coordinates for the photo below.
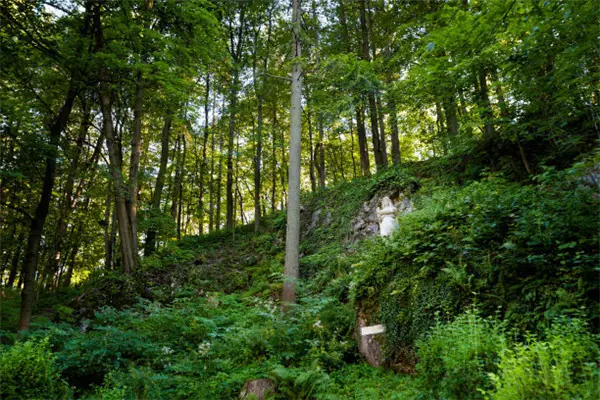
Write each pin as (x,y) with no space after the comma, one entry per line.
(144,181)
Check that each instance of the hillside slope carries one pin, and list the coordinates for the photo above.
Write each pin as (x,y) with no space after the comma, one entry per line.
(483,281)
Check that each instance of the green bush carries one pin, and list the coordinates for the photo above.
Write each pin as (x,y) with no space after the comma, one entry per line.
(456,357)
(531,249)
(28,372)
(564,366)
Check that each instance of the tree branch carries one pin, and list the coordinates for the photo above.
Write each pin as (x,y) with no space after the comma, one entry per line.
(19,209)
(285,78)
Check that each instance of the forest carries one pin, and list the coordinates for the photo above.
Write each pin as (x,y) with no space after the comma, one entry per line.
(300,199)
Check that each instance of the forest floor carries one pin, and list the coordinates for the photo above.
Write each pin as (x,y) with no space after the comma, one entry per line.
(453,287)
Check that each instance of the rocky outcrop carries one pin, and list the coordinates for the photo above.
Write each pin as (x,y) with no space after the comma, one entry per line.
(257,389)
(367,224)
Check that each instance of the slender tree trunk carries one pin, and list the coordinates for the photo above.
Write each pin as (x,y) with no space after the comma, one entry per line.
(176,191)
(377,149)
(362,141)
(231,140)
(114,154)
(292,242)
(382,140)
(219,182)
(211,189)
(451,118)
(134,163)
(321,152)
(180,188)
(150,244)
(67,201)
(352,150)
(14,265)
(39,219)
(108,243)
(204,161)
(313,179)
(274,160)
(258,165)
(486,115)
(283,175)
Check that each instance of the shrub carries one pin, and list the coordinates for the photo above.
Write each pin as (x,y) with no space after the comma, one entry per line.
(28,371)
(456,357)
(564,366)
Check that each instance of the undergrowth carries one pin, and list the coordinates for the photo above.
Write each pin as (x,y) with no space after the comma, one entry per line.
(202,316)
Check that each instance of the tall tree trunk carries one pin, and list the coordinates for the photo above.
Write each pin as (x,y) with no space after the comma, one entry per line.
(451,118)
(150,244)
(362,141)
(377,150)
(41,212)
(180,188)
(231,137)
(204,161)
(321,153)
(487,114)
(283,175)
(274,160)
(108,243)
(134,163)
(114,155)
(382,139)
(219,182)
(67,201)
(504,111)
(260,88)
(352,150)
(396,153)
(313,179)
(211,184)
(14,265)
(292,241)
(175,192)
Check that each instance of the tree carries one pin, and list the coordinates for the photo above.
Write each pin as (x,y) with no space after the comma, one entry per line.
(292,241)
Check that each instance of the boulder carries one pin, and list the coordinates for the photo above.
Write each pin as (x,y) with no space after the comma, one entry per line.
(368,346)
(257,389)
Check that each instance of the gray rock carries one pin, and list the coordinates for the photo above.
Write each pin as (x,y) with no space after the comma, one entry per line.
(368,346)
(257,389)
(314,219)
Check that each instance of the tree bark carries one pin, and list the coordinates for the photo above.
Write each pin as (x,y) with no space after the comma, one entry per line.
(352,150)
(231,140)
(211,184)
(380,161)
(219,183)
(114,155)
(150,244)
(134,163)
(292,242)
(362,141)
(274,160)
(203,165)
(67,205)
(487,114)
(360,124)
(451,118)
(14,265)
(320,150)
(313,178)
(39,219)
(382,139)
